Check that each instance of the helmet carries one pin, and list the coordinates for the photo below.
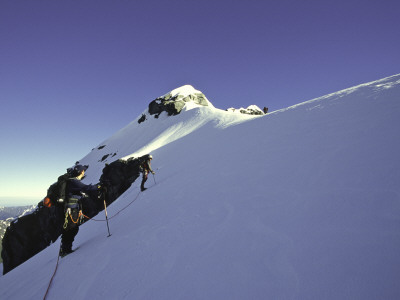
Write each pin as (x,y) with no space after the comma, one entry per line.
(150,156)
(79,168)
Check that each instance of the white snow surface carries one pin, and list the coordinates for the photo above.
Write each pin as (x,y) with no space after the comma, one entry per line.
(303,203)
(185,90)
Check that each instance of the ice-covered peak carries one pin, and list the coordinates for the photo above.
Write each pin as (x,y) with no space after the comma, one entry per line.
(184,91)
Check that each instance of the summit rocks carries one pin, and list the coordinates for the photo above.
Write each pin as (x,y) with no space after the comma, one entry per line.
(251,110)
(174,101)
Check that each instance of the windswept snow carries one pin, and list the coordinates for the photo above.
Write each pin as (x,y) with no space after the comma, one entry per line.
(303,203)
(139,139)
(367,90)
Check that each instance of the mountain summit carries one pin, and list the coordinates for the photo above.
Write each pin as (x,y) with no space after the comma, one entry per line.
(302,203)
(174,101)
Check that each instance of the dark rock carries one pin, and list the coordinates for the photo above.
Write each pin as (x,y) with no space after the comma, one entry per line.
(173,104)
(251,110)
(30,234)
(118,176)
(142,119)
(104,157)
(172,107)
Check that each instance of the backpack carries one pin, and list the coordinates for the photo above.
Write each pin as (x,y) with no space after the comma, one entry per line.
(56,192)
(143,160)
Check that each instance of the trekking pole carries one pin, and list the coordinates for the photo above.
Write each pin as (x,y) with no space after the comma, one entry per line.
(105,210)
(154,177)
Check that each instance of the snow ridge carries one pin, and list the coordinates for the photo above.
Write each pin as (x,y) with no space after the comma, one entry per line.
(302,203)
(370,88)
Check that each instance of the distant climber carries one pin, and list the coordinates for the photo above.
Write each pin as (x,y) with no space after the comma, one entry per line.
(265,109)
(75,191)
(145,168)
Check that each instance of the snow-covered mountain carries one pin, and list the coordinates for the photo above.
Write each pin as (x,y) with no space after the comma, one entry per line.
(14,211)
(302,203)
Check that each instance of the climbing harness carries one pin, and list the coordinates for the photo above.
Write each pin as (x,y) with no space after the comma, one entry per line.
(68,213)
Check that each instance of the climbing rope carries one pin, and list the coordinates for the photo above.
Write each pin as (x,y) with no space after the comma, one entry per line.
(116,213)
(54,274)
(68,213)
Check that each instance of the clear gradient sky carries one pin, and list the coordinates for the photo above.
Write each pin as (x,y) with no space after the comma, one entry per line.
(74,72)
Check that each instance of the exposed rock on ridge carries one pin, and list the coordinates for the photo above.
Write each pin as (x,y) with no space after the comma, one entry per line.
(174,101)
(251,110)
(30,234)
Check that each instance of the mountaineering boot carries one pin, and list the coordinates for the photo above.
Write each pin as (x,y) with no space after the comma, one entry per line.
(65,252)
(143,189)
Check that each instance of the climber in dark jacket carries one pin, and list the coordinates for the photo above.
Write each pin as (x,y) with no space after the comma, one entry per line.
(75,190)
(145,168)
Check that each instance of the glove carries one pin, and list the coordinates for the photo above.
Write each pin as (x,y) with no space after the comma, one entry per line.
(152,172)
(81,217)
(102,191)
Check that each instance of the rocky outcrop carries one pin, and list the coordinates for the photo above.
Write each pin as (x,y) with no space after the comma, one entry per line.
(118,176)
(30,234)
(173,102)
(251,110)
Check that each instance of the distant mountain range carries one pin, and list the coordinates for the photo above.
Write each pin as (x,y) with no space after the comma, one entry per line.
(13,211)
(7,214)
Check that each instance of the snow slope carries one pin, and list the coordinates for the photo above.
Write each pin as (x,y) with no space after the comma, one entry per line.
(303,203)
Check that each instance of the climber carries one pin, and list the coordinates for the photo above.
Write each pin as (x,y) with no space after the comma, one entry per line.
(145,168)
(75,190)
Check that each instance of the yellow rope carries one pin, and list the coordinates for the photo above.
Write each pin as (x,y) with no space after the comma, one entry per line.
(77,219)
(68,213)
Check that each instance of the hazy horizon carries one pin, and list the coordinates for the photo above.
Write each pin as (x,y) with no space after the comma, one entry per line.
(18,201)
(74,72)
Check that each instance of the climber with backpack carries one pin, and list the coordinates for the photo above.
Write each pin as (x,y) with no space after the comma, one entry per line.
(145,168)
(74,191)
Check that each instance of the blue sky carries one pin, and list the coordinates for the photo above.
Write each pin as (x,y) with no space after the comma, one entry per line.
(74,72)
